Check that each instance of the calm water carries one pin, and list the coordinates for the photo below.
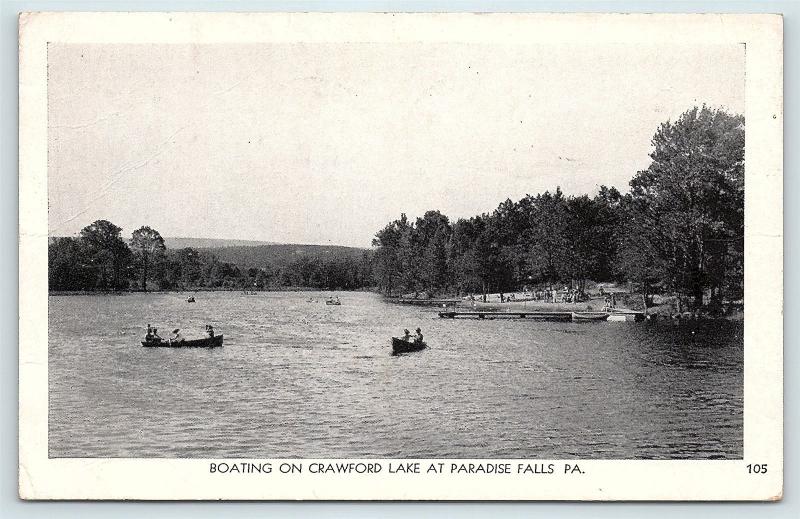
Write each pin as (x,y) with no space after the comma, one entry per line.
(299,379)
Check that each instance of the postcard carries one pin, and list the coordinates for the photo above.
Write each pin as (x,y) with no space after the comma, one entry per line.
(397,256)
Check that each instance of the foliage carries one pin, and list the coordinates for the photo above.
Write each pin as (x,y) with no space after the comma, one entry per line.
(103,250)
(148,247)
(687,208)
(680,229)
(89,262)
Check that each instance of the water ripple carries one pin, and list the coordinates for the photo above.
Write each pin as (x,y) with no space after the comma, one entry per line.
(298,379)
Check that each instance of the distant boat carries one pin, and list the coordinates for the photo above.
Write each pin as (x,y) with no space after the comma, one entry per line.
(590,316)
(334,302)
(190,299)
(207,342)
(401,346)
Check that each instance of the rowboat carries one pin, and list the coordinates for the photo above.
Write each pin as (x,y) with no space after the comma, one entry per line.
(207,342)
(401,346)
(331,302)
(590,316)
(626,315)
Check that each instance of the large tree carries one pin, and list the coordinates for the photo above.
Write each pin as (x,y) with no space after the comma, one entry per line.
(690,200)
(148,246)
(389,256)
(547,238)
(432,233)
(108,253)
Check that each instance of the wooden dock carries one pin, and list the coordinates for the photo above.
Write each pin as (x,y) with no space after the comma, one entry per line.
(538,316)
(427,302)
(629,316)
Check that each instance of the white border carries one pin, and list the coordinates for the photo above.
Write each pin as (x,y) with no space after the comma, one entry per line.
(43,478)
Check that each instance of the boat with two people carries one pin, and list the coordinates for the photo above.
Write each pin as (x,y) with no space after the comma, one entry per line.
(408,343)
(333,301)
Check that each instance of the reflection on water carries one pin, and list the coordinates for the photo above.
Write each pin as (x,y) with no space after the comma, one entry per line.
(300,379)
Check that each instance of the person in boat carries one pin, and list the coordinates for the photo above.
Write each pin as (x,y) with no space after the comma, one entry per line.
(210,331)
(418,336)
(406,335)
(149,336)
(176,336)
(156,337)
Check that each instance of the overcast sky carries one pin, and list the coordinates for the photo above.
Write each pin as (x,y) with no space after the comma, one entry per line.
(327,143)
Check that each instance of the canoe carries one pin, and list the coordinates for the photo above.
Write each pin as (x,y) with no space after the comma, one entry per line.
(335,303)
(401,346)
(590,316)
(207,342)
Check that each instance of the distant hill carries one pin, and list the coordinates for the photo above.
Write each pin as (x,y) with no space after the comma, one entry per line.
(204,243)
(279,254)
(247,253)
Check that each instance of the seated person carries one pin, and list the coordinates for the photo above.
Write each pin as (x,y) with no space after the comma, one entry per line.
(406,335)
(418,336)
(176,336)
(210,330)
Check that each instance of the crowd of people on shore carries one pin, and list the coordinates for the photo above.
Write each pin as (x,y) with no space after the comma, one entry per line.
(553,295)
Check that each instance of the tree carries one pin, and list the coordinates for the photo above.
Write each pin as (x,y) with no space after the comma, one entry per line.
(432,233)
(547,237)
(388,260)
(461,256)
(108,253)
(643,249)
(68,265)
(690,200)
(588,237)
(148,246)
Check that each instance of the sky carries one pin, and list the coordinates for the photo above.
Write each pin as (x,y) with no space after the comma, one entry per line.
(327,143)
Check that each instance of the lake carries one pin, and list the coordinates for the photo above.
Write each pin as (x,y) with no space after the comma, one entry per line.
(298,379)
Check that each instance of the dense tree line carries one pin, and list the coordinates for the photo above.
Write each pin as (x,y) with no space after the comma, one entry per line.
(679,230)
(100,259)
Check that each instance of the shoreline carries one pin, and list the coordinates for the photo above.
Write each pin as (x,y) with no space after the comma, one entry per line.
(665,309)
(594,304)
(198,290)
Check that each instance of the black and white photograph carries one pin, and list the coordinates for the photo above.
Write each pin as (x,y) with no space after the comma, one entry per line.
(466,249)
